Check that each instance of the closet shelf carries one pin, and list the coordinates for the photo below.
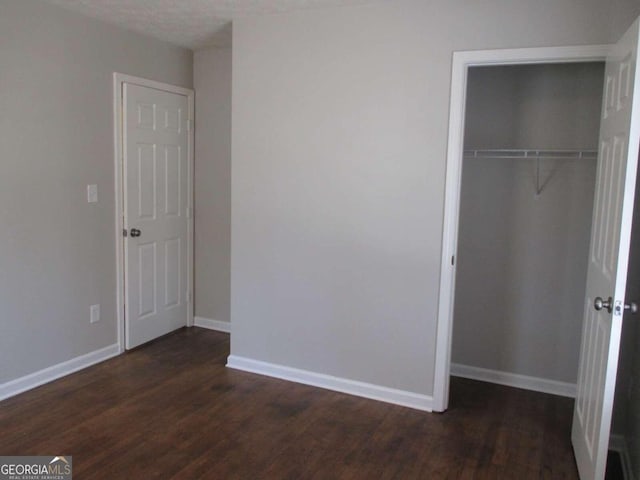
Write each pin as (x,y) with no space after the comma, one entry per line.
(533,153)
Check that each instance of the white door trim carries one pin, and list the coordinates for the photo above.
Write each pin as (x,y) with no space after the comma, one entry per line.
(460,65)
(118,80)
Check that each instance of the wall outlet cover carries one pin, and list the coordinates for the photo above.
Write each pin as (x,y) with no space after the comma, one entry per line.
(94,313)
(92,193)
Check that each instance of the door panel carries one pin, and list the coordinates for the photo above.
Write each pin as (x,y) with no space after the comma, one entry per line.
(146,182)
(608,259)
(172,180)
(172,250)
(155,203)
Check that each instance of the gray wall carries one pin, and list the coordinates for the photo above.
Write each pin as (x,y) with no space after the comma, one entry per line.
(212,79)
(57,252)
(622,14)
(632,431)
(340,123)
(626,420)
(554,106)
(522,258)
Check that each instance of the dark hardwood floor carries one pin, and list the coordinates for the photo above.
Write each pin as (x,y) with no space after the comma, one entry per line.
(172,410)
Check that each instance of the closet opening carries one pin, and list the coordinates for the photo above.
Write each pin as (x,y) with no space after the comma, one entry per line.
(516,242)
(526,201)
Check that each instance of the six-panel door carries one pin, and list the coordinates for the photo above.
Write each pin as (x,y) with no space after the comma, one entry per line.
(608,258)
(155,197)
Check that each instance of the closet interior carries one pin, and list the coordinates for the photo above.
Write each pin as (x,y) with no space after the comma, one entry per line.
(528,179)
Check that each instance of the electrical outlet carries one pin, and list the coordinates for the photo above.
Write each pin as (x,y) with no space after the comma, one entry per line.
(94,313)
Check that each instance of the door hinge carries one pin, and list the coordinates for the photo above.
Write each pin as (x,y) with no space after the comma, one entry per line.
(124,232)
(453,260)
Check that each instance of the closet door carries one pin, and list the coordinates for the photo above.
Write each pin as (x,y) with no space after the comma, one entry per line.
(608,258)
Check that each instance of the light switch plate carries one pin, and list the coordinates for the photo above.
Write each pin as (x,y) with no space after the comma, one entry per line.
(94,313)
(92,193)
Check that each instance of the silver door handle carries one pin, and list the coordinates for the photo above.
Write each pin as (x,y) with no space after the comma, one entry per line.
(135,232)
(631,307)
(599,304)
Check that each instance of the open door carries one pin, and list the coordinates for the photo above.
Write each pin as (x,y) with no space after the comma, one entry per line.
(608,258)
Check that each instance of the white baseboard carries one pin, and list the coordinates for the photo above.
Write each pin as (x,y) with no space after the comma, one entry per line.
(212,324)
(618,443)
(514,380)
(33,380)
(352,387)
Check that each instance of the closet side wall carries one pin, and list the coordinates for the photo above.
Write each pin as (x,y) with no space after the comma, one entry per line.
(522,258)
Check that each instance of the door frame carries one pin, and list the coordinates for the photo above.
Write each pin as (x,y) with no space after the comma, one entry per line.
(118,137)
(461,63)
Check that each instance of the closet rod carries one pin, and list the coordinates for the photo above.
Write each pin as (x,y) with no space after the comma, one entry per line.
(532,153)
(537,155)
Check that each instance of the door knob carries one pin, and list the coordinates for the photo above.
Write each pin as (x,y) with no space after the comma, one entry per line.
(599,303)
(631,307)
(135,232)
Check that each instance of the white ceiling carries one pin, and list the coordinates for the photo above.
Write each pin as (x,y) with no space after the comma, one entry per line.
(189,23)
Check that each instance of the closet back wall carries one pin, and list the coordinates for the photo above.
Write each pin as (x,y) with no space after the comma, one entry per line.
(522,258)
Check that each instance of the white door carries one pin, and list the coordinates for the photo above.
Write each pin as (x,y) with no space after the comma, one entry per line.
(608,258)
(155,151)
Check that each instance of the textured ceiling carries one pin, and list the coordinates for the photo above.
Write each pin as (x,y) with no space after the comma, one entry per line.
(189,23)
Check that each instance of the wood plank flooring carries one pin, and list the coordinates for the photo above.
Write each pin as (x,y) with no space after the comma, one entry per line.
(172,410)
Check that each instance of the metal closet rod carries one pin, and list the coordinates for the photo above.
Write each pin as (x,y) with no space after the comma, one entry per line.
(532,153)
(535,154)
